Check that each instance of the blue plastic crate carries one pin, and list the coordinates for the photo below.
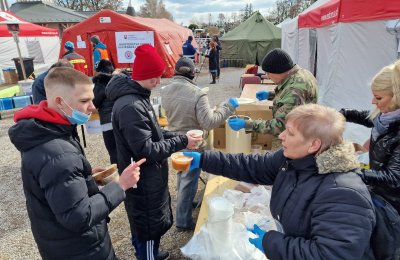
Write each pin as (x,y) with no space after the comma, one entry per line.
(6,103)
(22,101)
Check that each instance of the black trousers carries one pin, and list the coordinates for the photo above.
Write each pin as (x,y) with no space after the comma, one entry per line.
(111,146)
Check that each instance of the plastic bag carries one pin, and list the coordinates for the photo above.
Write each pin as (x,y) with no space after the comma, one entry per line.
(225,234)
(363,159)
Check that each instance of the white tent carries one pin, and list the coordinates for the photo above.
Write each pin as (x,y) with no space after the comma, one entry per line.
(35,41)
(345,43)
(292,36)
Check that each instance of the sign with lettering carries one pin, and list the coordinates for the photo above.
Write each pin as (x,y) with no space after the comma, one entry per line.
(126,43)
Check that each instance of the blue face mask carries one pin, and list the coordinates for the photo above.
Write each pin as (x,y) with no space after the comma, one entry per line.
(77,117)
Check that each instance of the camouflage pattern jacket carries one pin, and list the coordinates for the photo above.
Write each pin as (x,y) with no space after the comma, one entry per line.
(300,87)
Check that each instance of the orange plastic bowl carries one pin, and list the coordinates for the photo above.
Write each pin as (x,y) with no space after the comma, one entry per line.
(181,162)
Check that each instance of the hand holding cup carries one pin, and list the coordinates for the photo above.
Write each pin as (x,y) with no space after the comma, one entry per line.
(195,137)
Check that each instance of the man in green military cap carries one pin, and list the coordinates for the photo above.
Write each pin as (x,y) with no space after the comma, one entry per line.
(295,86)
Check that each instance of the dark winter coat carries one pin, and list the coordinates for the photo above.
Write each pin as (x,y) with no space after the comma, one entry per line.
(66,209)
(384,156)
(188,49)
(212,60)
(38,92)
(138,136)
(100,101)
(218,51)
(325,210)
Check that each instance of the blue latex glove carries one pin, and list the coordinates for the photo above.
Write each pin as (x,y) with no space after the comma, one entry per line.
(262,95)
(234,102)
(196,159)
(257,242)
(237,123)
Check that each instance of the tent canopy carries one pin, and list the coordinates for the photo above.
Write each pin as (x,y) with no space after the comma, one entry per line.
(38,42)
(336,11)
(26,29)
(168,36)
(251,40)
(345,43)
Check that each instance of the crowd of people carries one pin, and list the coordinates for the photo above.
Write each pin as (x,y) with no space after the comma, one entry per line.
(325,204)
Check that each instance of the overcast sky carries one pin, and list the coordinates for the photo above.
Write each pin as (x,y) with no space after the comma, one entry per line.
(184,10)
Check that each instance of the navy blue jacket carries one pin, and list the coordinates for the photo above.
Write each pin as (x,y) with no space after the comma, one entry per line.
(38,91)
(188,49)
(326,212)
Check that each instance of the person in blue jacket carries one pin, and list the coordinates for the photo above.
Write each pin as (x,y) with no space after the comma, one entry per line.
(324,207)
(99,51)
(188,50)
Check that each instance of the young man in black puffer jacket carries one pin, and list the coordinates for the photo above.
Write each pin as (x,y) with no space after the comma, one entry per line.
(68,213)
(138,135)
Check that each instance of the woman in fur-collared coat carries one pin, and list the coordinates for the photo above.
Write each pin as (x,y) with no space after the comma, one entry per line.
(324,208)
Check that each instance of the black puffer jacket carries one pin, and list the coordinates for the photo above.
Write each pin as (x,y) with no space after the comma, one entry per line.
(325,210)
(384,156)
(100,101)
(66,209)
(138,136)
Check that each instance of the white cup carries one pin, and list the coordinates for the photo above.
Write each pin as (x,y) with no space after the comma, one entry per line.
(196,133)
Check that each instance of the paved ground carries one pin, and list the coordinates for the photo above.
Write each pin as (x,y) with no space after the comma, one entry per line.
(16,241)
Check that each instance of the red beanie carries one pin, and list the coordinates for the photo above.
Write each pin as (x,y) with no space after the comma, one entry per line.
(148,64)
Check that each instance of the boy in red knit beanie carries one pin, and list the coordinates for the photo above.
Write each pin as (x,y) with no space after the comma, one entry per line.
(138,135)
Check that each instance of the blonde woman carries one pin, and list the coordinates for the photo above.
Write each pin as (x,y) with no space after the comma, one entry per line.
(324,208)
(384,148)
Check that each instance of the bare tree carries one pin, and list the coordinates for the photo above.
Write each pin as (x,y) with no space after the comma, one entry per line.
(155,9)
(210,19)
(246,12)
(221,20)
(287,9)
(90,5)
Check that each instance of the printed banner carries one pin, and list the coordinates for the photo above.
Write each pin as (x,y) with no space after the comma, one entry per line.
(126,43)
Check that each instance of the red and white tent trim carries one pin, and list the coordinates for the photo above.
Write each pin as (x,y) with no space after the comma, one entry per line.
(38,42)
(345,11)
(26,28)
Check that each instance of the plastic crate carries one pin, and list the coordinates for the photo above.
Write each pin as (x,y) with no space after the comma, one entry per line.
(6,104)
(22,101)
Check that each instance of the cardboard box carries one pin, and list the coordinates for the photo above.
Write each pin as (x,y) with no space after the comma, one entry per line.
(10,76)
(219,137)
(254,112)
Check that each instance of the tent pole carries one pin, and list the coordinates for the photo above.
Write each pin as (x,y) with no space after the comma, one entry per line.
(6,5)
(15,36)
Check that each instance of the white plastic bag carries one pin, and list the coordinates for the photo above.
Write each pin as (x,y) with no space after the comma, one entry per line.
(363,159)
(225,236)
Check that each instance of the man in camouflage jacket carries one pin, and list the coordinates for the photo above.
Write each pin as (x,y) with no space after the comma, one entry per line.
(295,86)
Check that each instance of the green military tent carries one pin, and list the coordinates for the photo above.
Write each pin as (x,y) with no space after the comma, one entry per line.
(251,40)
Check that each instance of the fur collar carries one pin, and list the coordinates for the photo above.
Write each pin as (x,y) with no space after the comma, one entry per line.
(339,158)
